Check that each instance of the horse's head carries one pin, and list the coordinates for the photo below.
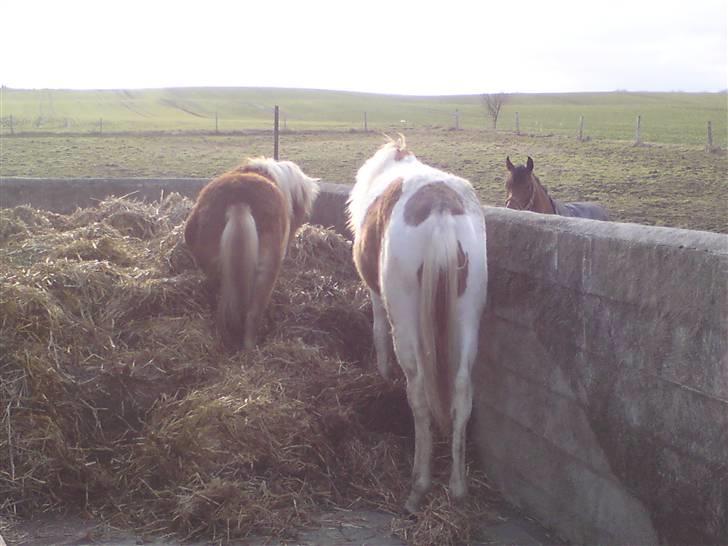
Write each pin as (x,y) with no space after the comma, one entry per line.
(520,185)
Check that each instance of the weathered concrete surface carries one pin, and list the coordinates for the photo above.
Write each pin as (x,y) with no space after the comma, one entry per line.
(602,386)
(330,208)
(339,527)
(65,195)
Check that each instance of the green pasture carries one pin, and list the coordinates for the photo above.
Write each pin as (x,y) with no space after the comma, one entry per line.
(658,184)
(679,118)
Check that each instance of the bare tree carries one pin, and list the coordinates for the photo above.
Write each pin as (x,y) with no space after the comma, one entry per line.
(493,102)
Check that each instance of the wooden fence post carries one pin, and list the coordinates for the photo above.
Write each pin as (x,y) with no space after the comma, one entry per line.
(709,144)
(518,124)
(216,125)
(275,133)
(581,128)
(457,119)
(637,136)
(366,126)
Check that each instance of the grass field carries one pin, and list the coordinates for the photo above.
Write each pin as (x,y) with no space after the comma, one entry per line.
(666,184)
(679,118)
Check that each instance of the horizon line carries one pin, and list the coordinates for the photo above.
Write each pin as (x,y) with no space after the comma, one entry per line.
(316,89)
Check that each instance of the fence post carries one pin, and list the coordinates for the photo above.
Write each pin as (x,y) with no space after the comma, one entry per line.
(581,128)
(518,124)
(216,126)
(457,119)
(708,146)
(637,136)
(366,126)
(275,133)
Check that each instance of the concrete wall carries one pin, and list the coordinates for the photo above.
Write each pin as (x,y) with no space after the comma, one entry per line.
(65,195)
(602,384)
(602,403)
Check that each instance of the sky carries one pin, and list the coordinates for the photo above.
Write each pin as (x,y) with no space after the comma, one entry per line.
(392,46)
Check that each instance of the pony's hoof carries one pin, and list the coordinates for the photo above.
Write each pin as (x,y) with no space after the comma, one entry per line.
(387,375)
(458,494)
(249,343)
(412,506)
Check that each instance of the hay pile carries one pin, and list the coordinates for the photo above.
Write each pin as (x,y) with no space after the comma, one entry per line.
(116,397)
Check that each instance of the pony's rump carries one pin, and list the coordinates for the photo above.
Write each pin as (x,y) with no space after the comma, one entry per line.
(238,262)
(438,278)
(238,232)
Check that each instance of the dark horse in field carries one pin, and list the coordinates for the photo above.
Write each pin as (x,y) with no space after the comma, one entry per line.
(525,192)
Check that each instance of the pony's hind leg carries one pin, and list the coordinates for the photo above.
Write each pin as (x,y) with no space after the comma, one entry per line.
(406,345)
(462,406)
(381,336)
(422,465)
(266,274)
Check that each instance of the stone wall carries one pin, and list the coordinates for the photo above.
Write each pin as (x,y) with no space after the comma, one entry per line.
(602,385)
(602,388)
(65,195)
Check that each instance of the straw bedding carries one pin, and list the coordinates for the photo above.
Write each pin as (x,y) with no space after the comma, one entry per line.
(117,399)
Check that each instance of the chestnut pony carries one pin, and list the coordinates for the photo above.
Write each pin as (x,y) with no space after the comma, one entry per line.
(419,245)
(525,192)
(239,231)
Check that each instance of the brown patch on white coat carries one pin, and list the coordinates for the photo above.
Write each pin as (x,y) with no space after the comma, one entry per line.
(438,197)
(368,246)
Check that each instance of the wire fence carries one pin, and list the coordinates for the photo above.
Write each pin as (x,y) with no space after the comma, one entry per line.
(582,127)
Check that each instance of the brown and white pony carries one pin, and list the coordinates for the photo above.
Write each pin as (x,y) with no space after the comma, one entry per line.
(419,245)
(525,192)
(239,231)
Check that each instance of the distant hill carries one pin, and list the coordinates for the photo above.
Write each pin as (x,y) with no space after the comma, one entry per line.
(665,117)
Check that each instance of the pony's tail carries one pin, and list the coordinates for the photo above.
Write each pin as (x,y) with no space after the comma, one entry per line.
(438,326)
(238,262)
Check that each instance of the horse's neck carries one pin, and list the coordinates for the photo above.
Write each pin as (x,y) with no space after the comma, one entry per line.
(541,200)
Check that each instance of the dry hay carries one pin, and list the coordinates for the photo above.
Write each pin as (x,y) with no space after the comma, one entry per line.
(116,397)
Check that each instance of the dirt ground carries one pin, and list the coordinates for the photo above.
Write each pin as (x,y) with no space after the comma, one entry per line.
(341,528)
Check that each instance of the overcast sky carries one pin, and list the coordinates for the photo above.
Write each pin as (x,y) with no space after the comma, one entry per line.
(389,46)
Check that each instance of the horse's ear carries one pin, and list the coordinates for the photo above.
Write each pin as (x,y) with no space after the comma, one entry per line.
(529,163)
(509,165)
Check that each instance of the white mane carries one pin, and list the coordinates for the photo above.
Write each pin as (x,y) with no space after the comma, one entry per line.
(298,188)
